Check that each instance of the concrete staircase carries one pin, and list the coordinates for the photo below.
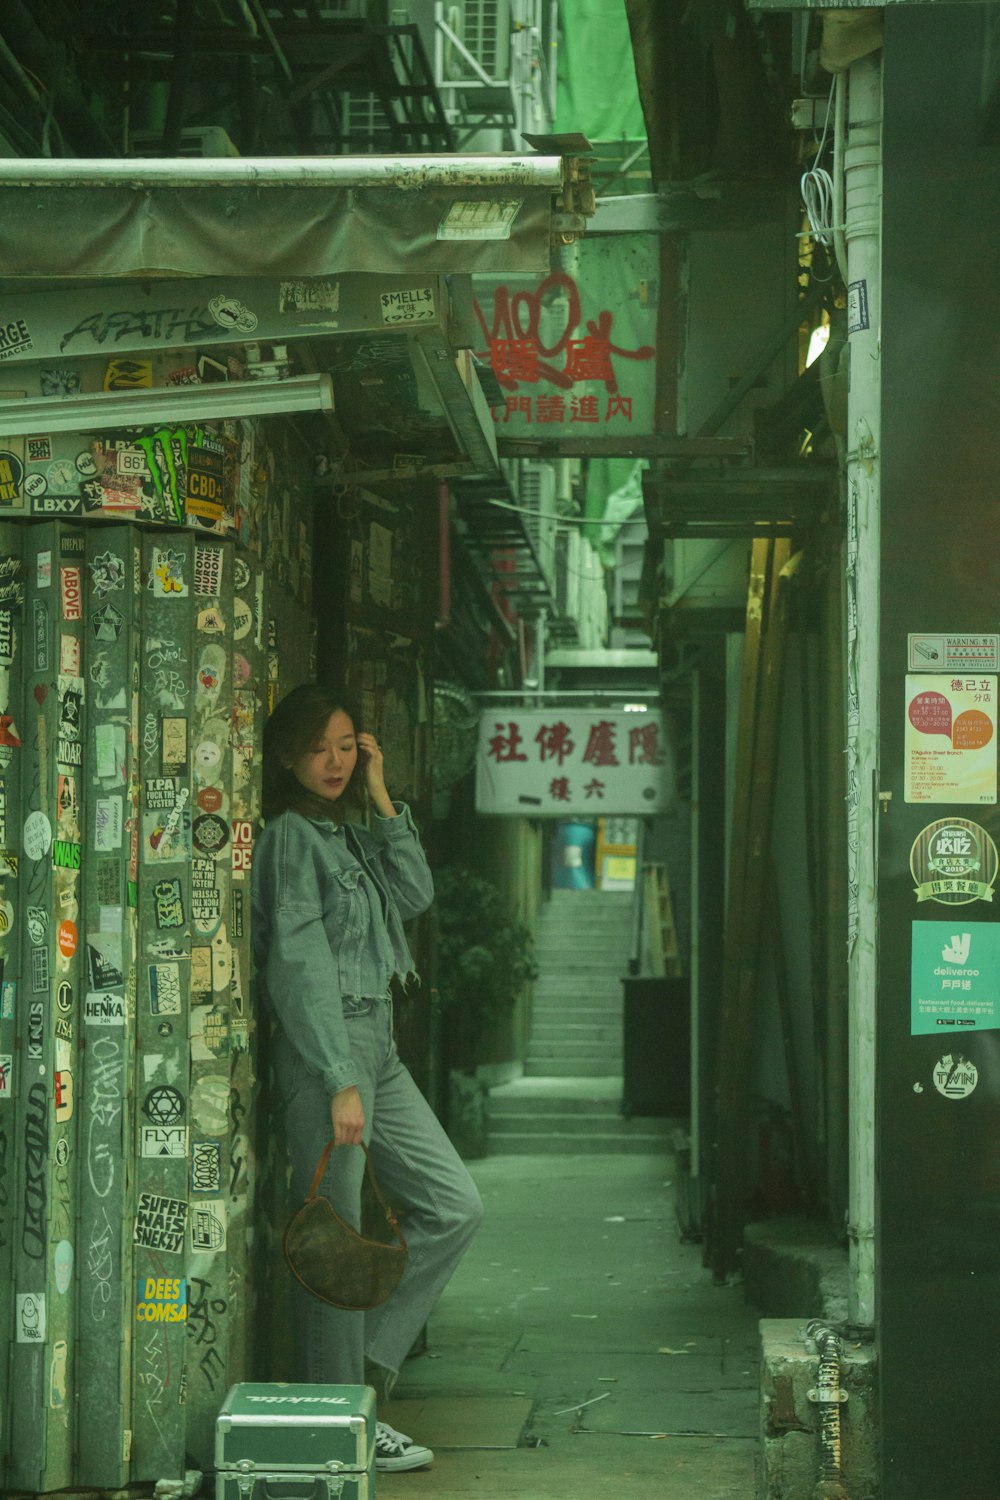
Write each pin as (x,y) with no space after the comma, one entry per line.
(582,951)
(569,1100)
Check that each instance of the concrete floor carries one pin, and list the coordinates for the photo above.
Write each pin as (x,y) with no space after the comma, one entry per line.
(581,1350)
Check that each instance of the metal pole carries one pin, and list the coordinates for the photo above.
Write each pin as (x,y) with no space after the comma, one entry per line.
(863,201)
(285,171)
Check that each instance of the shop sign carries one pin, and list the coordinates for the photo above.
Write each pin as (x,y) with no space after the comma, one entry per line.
(554,763)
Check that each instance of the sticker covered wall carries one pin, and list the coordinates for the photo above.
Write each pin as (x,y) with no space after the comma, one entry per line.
(135,664)
(52,730)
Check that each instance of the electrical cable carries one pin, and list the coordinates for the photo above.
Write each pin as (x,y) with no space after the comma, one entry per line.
(818,196)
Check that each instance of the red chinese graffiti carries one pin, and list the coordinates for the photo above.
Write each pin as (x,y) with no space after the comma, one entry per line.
(519,355)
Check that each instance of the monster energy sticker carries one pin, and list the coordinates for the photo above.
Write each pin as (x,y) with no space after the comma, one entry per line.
(954,861)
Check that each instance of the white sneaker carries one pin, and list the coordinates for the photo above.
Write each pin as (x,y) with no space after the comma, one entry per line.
(395,1451)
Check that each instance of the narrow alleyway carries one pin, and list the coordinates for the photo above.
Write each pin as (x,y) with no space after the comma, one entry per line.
(581,1350)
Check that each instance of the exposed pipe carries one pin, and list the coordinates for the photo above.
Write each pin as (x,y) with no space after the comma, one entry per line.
(862,218)
(828,1397)
(414,172)
(444,556)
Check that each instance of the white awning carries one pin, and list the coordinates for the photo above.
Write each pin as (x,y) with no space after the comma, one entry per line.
(275,216)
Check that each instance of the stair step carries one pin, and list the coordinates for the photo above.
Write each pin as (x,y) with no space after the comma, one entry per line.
(574,1031)
(578,1145)
(573,1123)
(572,1067)
(575,1047)
(524,1106)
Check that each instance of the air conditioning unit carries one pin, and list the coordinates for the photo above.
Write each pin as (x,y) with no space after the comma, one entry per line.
(197,140)
(485,30)
(537,492)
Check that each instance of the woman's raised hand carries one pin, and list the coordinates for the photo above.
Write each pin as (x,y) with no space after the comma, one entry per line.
(375,774)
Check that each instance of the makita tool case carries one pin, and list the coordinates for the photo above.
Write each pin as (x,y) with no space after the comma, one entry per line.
(296,1442)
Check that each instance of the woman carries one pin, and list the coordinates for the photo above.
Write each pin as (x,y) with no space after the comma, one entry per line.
(329,902)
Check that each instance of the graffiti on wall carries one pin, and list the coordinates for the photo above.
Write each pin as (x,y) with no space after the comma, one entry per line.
(545,339)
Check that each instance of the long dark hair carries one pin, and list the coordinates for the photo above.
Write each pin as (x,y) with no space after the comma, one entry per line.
(296,724)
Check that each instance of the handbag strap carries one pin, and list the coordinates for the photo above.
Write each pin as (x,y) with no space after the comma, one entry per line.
(321,1167)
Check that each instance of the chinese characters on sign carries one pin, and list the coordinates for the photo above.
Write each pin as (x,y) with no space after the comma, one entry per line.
(951,753)
(955,977)
(554,763)
(560,362)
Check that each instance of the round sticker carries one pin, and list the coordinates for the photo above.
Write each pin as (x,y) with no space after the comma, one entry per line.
(35,486)
(64,997)
(210,799)
(955,1076)
(242,619)
(164,1105)
(13,471)
(208,755)
(210,834)
(61,1153)
(953,862)
(6,916)
(67,939)
(210,1104)
(63,1263)
(241,670)
(37,835)
(85,464)
(241,575)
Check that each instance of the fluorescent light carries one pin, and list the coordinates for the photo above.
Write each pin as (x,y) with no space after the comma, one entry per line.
(105,411)
(818,341)
(634,708)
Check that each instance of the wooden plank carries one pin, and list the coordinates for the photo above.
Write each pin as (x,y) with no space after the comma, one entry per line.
(760,706)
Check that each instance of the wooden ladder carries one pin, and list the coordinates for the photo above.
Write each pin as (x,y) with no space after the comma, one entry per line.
(661,933)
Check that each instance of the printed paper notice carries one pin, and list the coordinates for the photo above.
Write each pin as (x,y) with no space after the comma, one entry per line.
(951,753)
(479,221)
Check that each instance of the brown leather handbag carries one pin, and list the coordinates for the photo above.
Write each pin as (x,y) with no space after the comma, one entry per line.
(335,1262)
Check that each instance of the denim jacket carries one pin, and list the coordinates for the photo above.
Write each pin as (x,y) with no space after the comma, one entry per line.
(329,905)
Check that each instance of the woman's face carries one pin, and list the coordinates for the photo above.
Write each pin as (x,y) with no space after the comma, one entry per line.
(325,768)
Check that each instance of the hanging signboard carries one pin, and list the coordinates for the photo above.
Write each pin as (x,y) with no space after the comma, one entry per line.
(558,763)
(575,352)
(951,751)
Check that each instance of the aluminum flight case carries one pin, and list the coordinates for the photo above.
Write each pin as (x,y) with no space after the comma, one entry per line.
(296,1442)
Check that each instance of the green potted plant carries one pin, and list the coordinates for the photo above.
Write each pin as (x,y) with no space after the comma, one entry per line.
(484,959)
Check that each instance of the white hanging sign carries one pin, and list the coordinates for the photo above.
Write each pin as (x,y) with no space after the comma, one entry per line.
(559,763)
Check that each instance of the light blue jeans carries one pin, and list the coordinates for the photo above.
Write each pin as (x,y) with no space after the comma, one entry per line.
(418,1169)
